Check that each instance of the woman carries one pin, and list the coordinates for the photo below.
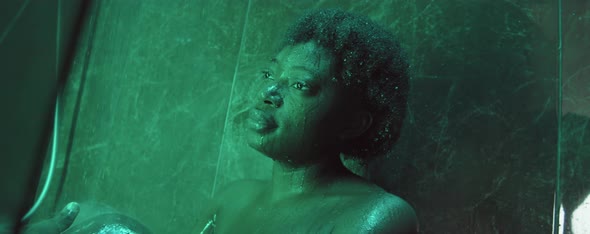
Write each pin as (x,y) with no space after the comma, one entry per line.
(338,86)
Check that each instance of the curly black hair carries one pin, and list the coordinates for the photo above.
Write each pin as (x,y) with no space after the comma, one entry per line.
(369,61)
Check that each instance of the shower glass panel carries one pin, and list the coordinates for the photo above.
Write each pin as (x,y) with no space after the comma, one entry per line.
(574,206)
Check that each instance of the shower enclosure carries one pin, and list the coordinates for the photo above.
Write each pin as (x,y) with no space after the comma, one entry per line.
(497,137)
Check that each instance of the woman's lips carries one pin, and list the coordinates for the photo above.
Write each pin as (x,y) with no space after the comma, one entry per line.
(261,121)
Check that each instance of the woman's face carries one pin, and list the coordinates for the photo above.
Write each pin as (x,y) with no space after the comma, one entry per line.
(297,107)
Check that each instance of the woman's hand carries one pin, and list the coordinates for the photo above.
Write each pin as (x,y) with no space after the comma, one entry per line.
(57,224)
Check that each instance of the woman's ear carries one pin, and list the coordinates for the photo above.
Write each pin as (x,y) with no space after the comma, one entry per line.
(356,124)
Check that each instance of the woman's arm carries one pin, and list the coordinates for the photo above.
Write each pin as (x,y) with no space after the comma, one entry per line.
(57,224)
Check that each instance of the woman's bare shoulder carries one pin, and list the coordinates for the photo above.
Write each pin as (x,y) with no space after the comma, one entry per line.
(239,192)
(232,196)
(377,211)
(242,187)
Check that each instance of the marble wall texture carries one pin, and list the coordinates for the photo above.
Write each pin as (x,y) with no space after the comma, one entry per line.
(153,112)
(144,112)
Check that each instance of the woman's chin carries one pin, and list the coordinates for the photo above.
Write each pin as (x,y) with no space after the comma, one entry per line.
(255,140)
(253,145)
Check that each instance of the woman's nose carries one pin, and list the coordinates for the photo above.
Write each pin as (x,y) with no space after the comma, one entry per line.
(272,96)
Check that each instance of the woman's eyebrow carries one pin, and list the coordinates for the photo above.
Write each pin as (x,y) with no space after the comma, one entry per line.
(300,67)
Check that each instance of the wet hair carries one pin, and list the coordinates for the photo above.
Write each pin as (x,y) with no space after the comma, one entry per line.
(368,61)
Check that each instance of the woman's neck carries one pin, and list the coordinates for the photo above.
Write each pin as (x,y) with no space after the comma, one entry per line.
(291,180)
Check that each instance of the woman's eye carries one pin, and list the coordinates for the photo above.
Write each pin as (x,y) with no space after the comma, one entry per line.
(300,86)
(266,75)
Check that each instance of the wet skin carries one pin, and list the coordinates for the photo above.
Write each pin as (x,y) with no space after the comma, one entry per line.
(300,118)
